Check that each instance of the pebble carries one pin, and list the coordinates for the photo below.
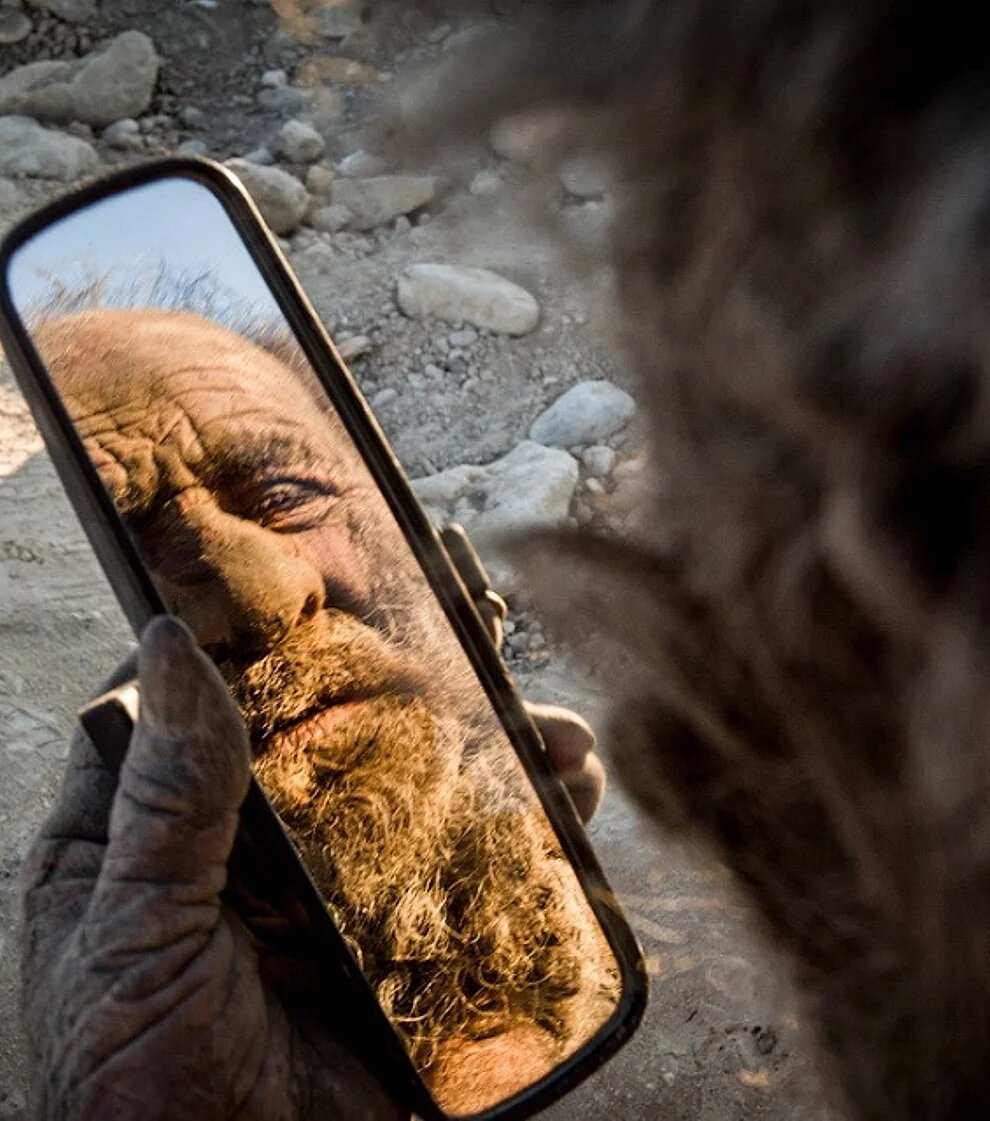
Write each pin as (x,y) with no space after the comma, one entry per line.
(318,257)
(383,397)
(27,149)
(156,122)
(585,177)
(362,165)
(594,486)
(379,200)
(299,142)
(280,197)
(319,179)
(114,82)
(262,156)
(485,184)
(272,79)
(193,147)
(588,413)
(462,294)
(124,134)
(282,99)
(330,219)
(354,347)
(14,27)
(192,117)
(465,337)
(598,460)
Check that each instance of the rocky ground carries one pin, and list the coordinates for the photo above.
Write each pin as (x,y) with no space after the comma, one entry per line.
(486,367)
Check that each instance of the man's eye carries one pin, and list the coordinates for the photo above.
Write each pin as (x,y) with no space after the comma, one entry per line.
(293,505)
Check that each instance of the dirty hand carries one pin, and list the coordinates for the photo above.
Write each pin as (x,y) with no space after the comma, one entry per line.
(570,745)
(143,995)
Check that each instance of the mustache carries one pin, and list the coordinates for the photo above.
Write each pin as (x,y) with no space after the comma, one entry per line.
(333,659)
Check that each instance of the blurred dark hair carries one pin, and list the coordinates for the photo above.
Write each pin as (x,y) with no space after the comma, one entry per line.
(800,242)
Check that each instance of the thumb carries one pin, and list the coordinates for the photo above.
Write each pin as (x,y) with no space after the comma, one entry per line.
(175,813)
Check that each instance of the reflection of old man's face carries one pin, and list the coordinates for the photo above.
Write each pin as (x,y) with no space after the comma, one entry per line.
(263,531)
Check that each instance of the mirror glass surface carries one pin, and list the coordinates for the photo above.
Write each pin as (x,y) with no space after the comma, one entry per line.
(263,529)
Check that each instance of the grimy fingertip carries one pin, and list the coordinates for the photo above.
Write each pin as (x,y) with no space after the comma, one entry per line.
(178,681)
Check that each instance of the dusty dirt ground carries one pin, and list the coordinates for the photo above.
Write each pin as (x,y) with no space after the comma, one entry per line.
(720,1040)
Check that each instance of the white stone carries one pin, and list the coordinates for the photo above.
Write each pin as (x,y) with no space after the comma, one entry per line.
(262,156)
(299,142)
(486,183)
(192,116)
(192,147)
(319,179)
(280,197)
(462,294)
(586,414)
(374,202)
(113,82)
(330,219)
(530,488)
(585,177)
(272,79)
(14,27)
(281,99)
(124,134)
(27,149)
(362,165)
(354,347)
(468,336)
(598,460)
(384,397)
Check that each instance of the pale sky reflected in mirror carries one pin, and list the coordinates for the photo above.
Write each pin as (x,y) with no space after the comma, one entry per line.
(173,224)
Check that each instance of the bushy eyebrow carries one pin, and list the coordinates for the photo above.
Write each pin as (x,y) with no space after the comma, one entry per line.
(242,462)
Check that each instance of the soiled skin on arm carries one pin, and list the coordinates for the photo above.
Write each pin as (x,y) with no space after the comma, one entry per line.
(263,532)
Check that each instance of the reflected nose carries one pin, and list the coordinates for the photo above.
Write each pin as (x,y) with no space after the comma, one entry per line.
(251,590)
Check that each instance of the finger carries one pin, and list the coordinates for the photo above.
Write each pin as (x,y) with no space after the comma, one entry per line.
(175,813)
(567,737)
(63,864)
(586,787)
(570,745)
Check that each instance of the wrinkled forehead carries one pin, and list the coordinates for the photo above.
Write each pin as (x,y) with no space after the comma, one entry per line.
(141,370)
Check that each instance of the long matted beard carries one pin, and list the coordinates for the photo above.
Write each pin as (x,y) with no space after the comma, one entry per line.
(434,857)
